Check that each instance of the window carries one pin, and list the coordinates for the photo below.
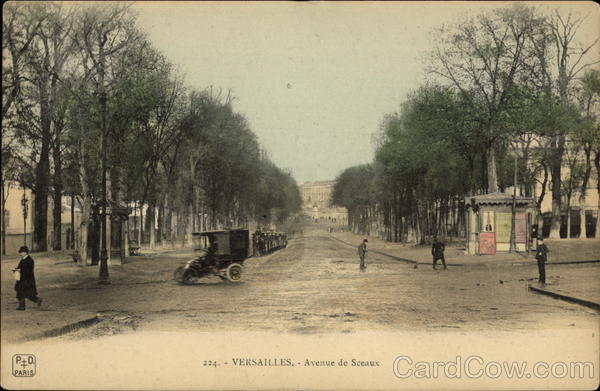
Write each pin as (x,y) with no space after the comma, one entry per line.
(487,221)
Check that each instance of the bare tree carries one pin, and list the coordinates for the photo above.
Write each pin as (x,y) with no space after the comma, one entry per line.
(99,33)
(36,119)
(557,60)
(19,27)
(482,58)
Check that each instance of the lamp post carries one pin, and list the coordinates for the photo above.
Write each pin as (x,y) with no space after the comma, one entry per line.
(513,225)
(25,207)
(103,277)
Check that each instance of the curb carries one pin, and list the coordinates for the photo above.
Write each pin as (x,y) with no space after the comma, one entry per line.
(572,262)
(570,299)
(56,332)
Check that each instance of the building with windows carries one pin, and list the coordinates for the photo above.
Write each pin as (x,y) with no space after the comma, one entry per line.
(579,212)
(316,203)
(17,219)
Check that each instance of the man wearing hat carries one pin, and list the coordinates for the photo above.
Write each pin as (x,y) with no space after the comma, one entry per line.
(437,250)
(362,253)
(25,285)
(541,256)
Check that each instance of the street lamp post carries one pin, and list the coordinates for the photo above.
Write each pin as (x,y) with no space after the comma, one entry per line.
(25,207)
(103,277)
(513,225)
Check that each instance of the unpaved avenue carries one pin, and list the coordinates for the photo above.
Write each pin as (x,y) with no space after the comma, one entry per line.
(315,286)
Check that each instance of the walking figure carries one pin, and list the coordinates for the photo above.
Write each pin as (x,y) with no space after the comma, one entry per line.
(542,256)
(437,250)
(362,253)
(25,285)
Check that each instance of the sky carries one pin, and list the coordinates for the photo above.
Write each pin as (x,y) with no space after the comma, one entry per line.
(313,79)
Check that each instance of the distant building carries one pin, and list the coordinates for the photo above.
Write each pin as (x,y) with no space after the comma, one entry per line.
(14,226)
(316,203)
(578,220)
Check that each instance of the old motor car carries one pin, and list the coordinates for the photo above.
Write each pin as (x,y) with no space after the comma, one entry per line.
(223,257)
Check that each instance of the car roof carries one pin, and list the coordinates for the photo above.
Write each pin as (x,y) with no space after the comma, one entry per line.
(221,231)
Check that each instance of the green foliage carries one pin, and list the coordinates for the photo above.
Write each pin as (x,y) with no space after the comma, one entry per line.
(187,151)
(354,187)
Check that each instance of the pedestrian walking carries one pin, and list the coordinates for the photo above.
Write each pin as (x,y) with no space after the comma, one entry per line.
(25,285)
(362,253)
(437,250)
(542,256)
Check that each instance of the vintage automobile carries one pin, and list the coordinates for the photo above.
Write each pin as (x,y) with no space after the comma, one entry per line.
(223,257)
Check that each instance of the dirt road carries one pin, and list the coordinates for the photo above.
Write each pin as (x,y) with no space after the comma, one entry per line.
(315,286)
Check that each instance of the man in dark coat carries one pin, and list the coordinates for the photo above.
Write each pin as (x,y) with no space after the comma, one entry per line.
(542,256)
(362,253)
(437,250)
(25,285)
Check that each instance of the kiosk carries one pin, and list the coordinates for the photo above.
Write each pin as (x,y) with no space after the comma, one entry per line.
(489,222)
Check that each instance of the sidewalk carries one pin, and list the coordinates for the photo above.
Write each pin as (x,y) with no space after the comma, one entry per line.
(561,251)
(578,285)
(583,289)
(68,290)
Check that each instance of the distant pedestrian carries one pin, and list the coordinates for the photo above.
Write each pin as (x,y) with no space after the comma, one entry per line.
(542,256)
(25,285)
(437,250)
(362,253)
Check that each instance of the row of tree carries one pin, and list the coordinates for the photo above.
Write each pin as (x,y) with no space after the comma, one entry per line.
(512,83)
(77,78)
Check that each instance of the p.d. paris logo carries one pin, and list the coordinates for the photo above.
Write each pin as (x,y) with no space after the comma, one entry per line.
(23,365)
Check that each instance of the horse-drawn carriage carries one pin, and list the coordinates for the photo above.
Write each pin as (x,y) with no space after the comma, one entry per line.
(223,257)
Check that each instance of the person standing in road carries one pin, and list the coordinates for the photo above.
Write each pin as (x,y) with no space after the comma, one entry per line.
(25,285)
(362,253)
(437,250)
(541,255)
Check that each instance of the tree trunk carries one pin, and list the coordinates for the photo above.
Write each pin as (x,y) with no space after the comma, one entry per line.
(568,219)
(556,171)
(58,189)
(170,225)
(4,194)
(141,224)
(82,240)
(597,164)
(583,190)
(72,236)
(189,228)
(582,225)
(150,223)
(81,246)
(42,175)
(492,177)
